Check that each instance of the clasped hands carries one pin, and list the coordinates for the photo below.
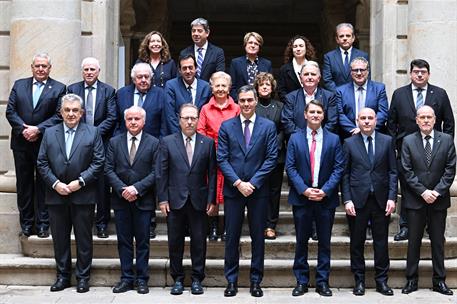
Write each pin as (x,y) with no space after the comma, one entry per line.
(129,193)
(66,189)
(430,196)
(246,188)
(30,133)
(314,194)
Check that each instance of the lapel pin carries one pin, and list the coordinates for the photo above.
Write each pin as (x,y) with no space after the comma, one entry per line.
(201,141)
(431,92)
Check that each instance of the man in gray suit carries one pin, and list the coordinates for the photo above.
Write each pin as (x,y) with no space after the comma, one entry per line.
(428,160)
(70,161)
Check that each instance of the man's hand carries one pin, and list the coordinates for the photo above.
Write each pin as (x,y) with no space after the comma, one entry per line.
(129,193)
(164,208)
(430,196)
(355,131)
(74,186)
(350,208)
(212,209)
(30,133)
(246,188)
(390,207)
(314,194)
(62,189)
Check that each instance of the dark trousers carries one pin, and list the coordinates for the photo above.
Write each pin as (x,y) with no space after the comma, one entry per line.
(62,218)
(30,190)
(177,221)
(131,223)
(436,221)
(103,203)
(234,215)
(380,229)
(276,178)
(403,221)
(303,218)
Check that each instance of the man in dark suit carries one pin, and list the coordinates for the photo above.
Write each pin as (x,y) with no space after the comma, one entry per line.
(33,106)
(151,99)
(100,111)
(292,114)
(210,58)
(70,161)
(247,154)
(402,114)
(184,89)
(187,193)
(336,70)
(428,160)
(358,94)
(131,171)
(369,193)
(315,164)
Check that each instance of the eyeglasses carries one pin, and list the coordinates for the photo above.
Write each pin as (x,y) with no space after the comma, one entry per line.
(417,72)
(191,118)
(358,70)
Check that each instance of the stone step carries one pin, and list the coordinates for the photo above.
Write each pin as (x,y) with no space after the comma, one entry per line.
(20,270)
(281,248)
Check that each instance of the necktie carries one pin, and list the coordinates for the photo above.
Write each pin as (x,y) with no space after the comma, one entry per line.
(370,149)
(132,150)
(346,60)
(199,61)
(69,141)
(312,152)
(89,106)
(360,101)
(189,90)
(428,150)
(140,99)
(247,132)
(189,150)
(419,99)
(37,93)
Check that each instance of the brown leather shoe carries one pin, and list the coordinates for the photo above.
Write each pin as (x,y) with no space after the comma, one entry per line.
(270,234)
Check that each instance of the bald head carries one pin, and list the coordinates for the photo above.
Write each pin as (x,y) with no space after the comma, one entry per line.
(366,120)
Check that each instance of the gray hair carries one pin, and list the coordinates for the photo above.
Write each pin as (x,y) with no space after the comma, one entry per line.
(310,63)
(423,107)
(42,55)
(72,98)
(200,21)
(137,66)
(341,25)
(360,59)
(135,109)
(246,89)
(89,60)
(220,74)
(187,105)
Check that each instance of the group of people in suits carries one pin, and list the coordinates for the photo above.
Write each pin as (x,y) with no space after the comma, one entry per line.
(192,137)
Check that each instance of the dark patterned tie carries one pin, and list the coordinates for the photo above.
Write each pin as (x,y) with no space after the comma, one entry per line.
(89,106)
(428,150)
(419,99)
(132,150)
(370,149)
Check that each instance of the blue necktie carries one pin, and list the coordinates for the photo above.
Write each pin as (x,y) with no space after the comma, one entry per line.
(199,62)
(69,141)
(140,99)
(37,93)
(419,99)
(89,106)
(370,149)
(346,60)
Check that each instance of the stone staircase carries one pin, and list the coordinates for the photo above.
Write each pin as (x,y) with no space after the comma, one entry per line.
(33,264)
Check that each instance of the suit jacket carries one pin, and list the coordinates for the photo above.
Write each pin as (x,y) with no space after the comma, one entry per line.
(273,113)
(238,72)
(214,60)
(20,111)
(153,105)
(252,164)
(178,180)
(177,95)
(164,72)
(333,71)
(141,173)
(293,117)
(105,106)
(360,175)
(438,176)
(288,81)
(402,112)
(375,98)
(86,160)
(298,168)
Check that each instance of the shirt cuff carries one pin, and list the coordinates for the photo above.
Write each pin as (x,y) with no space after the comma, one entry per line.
(237,182)
(55,184)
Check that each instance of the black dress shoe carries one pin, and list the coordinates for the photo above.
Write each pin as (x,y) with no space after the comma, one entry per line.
(402,235)
(223,237)
(313,231)
(196,288)
(359,289)
(324,290)
(43,233)
(231,290)
(102,233)
(256,290)
(142,287)
(384,289)
(122,286)
(83,286)
(300,290)
(152,233)
(27,231)
(177,288)
(442,288)
(213,232)
(60,284)
(411,285)
(369,234)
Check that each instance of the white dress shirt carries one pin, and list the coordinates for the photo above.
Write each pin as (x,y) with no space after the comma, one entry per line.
(317,154)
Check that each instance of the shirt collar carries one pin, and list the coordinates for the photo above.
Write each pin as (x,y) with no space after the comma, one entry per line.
(43,82)
(309,131)
(94,85)
(138,136)
(432,135)
(349,50)
(424,88)
(252,119)
(184,137)
(66,128)
(193,85)
(364,136)
(204,47)
(364,86)
(256,60)
(313,94)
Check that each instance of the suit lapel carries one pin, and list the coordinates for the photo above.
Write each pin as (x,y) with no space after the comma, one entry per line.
(362,150)
(420,147)
(379,146)
(244,69)
(430,97)
(60,138)
(139,150)
(79,135)
(239,133)
(207,58)
(255,133)
(98,99)
(436,145)
(47,87)
(197,148)
(124,147)
(198,95)
(339,60)
(181,148)
(410,99)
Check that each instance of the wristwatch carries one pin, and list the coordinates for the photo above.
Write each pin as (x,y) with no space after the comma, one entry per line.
(81,182)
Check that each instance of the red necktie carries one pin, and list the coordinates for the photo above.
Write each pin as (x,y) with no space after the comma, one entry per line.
(312,151)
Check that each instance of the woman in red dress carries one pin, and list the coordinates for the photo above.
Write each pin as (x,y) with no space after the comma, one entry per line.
(219,108)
